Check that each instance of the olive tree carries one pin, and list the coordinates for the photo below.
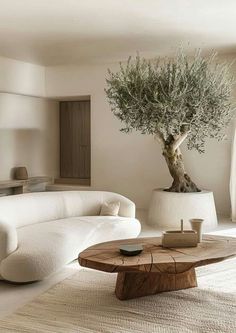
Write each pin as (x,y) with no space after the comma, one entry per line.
(175,100)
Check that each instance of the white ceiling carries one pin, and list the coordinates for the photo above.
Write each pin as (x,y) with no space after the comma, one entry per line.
(52,32)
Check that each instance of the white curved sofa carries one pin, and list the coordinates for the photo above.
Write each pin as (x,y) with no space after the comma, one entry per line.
(42,232)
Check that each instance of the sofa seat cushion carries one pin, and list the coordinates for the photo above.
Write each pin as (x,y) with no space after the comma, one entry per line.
(46,247)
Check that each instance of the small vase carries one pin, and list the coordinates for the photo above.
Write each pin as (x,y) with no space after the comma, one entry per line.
(21,173)
(196,225)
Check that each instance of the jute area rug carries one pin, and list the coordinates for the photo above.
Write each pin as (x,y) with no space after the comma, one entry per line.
(86,303)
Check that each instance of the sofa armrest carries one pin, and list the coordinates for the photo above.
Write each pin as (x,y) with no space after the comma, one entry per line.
(127,208)
(8,240)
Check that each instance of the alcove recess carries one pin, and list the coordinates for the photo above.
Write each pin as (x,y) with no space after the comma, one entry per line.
(75,141)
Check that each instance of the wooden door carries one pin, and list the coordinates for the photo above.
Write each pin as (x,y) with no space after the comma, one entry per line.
(75,145)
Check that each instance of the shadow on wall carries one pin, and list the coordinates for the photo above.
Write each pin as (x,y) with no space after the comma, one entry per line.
(21,147)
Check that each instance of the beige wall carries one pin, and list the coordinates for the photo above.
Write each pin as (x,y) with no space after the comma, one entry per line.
(28,135)
(132,164)
(28,125)
(21,77)
(129,164)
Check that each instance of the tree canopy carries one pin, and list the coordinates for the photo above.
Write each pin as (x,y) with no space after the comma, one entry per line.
(170,98)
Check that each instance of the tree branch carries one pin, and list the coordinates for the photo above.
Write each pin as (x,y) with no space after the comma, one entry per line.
(160,138)
(179,140)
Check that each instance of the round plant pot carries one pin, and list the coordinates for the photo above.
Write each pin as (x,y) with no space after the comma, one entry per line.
(168,208)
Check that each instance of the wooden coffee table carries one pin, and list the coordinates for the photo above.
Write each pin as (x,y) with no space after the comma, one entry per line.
(156,269)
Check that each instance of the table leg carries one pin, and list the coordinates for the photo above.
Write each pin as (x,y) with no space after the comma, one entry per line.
(137,284)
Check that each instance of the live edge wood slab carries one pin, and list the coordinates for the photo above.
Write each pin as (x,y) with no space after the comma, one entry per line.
(156,269)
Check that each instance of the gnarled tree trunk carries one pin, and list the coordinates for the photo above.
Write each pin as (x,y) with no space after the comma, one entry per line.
(181,181)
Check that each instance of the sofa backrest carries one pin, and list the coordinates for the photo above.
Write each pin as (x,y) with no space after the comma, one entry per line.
(24,209)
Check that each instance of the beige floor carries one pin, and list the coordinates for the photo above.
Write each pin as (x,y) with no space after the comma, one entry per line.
(14,296)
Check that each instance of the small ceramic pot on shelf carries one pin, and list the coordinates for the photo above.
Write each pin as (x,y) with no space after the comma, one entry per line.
(21,173)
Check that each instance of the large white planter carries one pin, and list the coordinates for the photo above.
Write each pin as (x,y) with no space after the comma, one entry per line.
(168,208)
